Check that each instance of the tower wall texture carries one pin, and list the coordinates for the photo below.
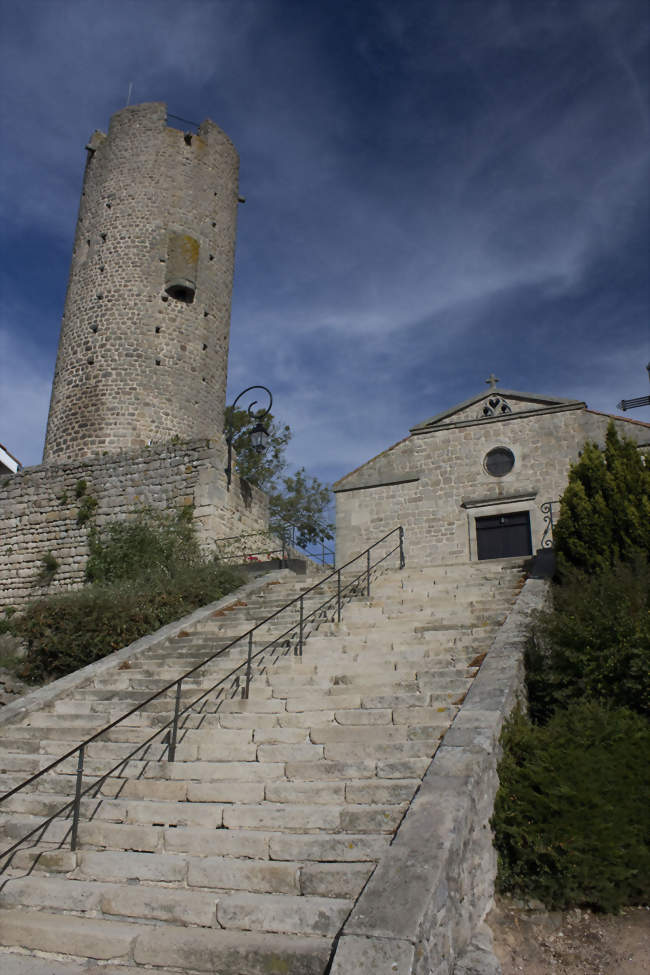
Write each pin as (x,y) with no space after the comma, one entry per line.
(143,350)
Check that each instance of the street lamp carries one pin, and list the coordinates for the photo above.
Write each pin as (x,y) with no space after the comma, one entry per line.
(259,435)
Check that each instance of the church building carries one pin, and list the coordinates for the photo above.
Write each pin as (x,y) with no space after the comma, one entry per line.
(481,480)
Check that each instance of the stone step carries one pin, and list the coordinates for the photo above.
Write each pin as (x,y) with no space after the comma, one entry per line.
(179,947)
(257,843)
(415,590)
(111,900)
(435,604)
(20,963)
(238,910)
(14,827)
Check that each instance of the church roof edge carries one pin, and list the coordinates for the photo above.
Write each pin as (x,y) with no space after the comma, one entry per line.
(544,401)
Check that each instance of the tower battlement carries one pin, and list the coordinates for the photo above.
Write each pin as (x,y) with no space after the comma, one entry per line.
(143,350)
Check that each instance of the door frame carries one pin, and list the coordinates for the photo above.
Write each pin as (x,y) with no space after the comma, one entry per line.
(503,507)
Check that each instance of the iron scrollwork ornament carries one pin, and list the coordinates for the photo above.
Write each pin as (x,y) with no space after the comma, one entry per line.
(259,433)
(496,406)
(547,511)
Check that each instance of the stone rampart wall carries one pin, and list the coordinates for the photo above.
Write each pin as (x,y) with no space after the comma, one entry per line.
(40,509)
(435,484)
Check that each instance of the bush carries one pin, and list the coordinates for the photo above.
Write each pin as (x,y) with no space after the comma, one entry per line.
(594,643)
(571,818)
(144,573)
(68,631)
(49,568)
(150,546)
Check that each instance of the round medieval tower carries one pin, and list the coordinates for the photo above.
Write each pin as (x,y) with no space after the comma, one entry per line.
(143,350)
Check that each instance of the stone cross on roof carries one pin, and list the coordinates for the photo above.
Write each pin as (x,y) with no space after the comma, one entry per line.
(492,380)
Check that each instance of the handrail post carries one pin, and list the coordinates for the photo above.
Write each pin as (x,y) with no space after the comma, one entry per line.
(338,596)
(300,628)
(368,574)
(248,665)
(171,754)
(77,799)
(402,561)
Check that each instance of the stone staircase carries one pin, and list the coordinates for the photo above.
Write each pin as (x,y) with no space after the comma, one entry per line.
(246,854)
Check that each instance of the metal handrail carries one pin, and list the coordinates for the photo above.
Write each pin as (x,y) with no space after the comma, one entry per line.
(342,592)
(286,534)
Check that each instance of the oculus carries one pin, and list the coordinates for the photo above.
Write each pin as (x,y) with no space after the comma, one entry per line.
(499,461)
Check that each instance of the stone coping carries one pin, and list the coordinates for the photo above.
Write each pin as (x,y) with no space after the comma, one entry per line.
(438,425)
(428,896)
(39,698)
(385,482)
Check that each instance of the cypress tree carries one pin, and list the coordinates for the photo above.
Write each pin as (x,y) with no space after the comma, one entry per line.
(605,516)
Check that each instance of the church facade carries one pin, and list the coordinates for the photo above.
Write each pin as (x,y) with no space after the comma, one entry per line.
(481,480)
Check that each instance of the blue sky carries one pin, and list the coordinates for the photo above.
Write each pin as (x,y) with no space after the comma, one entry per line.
(435,190)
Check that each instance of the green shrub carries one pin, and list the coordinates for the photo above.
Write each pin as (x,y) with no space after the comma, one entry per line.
(70,630)
(86,509)
(605,515)
(145,572)
(6,625)
(49,568)
(595,642)
(571,818)
(152,545)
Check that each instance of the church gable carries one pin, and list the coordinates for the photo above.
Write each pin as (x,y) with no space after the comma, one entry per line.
(495,404)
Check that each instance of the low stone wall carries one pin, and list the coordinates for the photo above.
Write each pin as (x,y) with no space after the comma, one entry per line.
(422,909)
(49,508)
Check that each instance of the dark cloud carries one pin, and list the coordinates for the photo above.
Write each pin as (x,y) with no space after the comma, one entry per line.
(434,191)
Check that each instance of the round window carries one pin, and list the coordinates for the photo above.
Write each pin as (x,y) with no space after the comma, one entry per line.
(499,462)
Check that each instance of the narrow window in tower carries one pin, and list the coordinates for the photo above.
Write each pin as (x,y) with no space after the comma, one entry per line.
(181,267)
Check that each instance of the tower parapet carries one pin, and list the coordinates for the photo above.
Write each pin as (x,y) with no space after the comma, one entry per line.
(143,350)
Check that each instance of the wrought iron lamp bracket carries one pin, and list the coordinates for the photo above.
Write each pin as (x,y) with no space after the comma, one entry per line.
(257,415)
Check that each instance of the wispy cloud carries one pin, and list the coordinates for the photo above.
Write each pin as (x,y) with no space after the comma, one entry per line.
(433,191)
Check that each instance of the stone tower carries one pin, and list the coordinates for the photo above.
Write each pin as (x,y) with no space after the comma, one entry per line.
(143,350)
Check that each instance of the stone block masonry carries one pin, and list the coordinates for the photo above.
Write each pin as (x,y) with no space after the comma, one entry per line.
(40,508)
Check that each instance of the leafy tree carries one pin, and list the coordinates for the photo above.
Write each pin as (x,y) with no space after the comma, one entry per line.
(298,500)
(302,502)
(605,514)
(261,470)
